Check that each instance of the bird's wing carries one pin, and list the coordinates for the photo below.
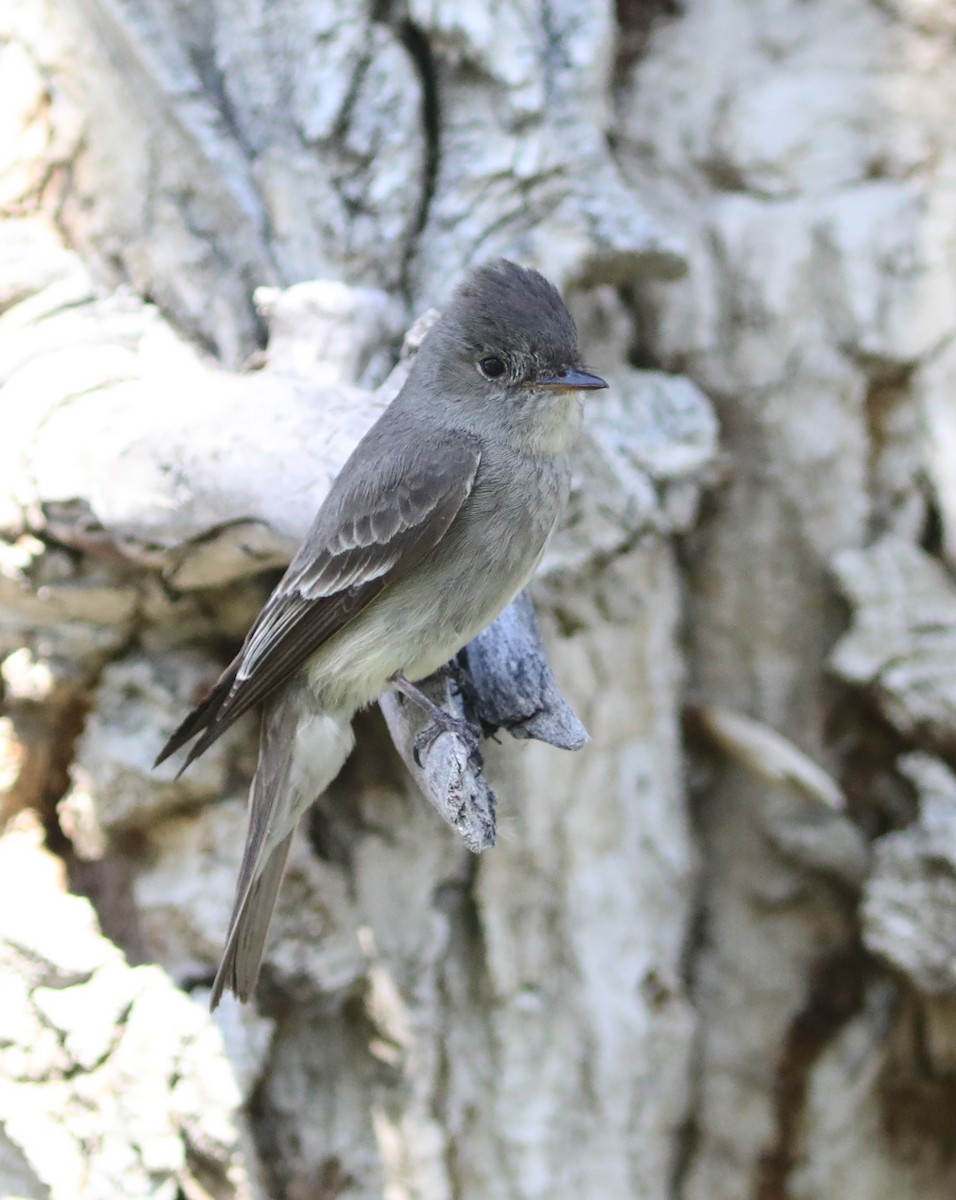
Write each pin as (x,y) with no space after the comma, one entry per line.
(377,523)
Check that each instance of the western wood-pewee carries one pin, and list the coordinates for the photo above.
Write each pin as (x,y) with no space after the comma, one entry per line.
(432,527)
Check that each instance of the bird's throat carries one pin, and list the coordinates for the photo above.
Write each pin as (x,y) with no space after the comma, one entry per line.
(556,423)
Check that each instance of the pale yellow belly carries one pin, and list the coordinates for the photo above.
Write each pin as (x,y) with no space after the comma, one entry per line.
(412,629)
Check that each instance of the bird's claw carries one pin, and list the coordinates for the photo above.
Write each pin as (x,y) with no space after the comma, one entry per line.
(446,723)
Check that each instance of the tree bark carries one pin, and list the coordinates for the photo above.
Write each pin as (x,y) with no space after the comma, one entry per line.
(709,954)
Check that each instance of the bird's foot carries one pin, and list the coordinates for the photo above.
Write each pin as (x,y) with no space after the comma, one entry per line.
(441,721)
(427,737)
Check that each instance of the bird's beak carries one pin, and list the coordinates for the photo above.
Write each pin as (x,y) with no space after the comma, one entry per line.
(571,380)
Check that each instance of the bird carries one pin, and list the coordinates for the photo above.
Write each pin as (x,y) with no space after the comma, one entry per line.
(435,523)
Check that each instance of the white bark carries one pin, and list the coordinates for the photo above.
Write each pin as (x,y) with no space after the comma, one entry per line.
(792,148)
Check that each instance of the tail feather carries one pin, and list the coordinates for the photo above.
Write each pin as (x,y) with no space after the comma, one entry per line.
(242,954)
(301,750)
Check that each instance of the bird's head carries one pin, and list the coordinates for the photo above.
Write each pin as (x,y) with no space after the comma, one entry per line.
(507,346)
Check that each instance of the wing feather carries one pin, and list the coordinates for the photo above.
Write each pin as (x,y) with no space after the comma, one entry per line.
(373,528)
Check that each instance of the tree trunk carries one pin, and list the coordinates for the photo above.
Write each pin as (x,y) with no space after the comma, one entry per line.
(710,955)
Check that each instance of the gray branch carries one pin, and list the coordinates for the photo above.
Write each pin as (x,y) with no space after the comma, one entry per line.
(514,686)
(504,681)
(442,762)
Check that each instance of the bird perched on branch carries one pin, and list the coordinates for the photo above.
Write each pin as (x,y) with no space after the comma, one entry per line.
(435,523)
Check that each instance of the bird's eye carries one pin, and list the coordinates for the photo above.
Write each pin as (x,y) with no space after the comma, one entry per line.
(491,367)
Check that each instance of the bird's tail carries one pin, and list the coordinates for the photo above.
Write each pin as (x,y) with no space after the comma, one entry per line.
(246,941)
(300,753)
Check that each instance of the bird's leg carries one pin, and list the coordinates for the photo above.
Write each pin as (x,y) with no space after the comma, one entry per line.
(442,721)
